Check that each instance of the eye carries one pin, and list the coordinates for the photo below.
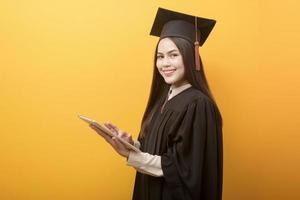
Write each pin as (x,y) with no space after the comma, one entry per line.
(173,55)
(159,56)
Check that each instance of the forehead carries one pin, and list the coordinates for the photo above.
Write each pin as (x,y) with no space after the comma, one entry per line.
(166,45)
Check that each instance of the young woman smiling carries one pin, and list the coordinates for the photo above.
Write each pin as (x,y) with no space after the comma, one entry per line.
(181,130)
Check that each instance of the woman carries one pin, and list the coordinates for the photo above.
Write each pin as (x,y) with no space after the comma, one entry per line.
(181,131)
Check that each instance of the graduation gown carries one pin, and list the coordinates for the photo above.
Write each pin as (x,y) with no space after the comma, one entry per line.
(187,135)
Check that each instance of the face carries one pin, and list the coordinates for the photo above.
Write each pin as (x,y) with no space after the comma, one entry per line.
(170,63)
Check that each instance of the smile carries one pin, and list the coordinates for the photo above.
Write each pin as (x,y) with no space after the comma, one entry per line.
(168,72)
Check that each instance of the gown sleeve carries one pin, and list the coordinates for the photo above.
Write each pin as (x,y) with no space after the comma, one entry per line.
(192,165)
(145,163)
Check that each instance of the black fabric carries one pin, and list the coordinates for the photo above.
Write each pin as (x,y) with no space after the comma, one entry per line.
(188,137)
(169,23)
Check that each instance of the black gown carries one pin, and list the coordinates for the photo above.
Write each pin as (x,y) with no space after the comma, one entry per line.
(187,135)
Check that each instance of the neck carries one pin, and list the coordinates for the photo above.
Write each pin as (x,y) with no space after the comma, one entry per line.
(177,85)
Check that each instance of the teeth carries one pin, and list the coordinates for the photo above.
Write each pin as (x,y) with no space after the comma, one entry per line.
(169,70)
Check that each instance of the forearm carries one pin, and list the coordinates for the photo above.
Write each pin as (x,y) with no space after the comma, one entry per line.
(145,162)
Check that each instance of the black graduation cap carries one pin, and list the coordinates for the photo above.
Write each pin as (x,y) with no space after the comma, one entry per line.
(195,29)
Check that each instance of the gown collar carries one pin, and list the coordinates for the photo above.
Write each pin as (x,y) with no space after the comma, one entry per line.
(174,91)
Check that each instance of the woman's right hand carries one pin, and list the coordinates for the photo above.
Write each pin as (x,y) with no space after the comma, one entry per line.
(113,141)
(124,135)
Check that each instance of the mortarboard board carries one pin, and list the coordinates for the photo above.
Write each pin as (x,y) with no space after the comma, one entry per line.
(195,29)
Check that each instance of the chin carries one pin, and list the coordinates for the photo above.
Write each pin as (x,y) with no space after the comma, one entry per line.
(170,81)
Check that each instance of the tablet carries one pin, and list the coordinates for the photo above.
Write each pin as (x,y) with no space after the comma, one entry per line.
(108,132)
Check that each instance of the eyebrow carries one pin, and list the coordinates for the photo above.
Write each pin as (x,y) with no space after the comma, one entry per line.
(168,51)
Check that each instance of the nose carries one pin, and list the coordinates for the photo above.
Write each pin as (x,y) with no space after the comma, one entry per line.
(166,62)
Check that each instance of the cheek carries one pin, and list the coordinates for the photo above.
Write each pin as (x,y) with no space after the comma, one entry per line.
(158,64)
(181,72)
(179,64)
(180,67)
(158,67)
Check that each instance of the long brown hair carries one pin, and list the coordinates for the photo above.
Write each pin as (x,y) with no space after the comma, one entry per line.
(159,87)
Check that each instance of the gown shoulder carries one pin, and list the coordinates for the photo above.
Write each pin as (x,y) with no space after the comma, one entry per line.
(187,98)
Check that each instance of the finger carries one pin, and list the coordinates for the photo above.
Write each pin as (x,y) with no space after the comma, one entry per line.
(118,144)
(114,144)
(128,138)
(99,131)
(122,134)
(127,135)
(111,141)
(91,125)
(111,129)
(111,126)
(105,136)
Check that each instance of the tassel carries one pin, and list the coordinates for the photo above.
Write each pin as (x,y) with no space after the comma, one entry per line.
(198,61)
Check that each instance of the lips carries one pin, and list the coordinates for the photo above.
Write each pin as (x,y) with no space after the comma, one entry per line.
(168,72)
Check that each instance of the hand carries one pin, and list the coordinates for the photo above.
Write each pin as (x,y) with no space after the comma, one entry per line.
(114,142)
(124,135)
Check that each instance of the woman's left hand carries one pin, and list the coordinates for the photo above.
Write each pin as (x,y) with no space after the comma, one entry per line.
(113,141)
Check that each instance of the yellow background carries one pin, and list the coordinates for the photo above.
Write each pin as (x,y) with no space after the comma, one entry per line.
(59,58)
